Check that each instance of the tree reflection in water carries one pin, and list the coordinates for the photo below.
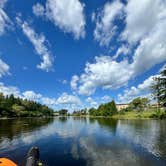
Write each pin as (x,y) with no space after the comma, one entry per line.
(85,141)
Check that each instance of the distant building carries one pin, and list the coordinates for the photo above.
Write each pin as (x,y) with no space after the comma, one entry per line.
(121,106)
(56,113)
(154,105)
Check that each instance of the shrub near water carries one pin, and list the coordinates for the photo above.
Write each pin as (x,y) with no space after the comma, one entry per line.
(107,109)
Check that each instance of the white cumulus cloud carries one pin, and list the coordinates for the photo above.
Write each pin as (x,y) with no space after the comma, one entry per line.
(38,9)
(92,102)
(4,68)
(31,95)
(104,73)
(8,90)
(141,17)
(145,27)
(106,98)
(68,99)
(123,50)
(39,42)
(48,101)
(152,49)
(68,15)
(142,89)
(74,81)
(5,21)
(105,28)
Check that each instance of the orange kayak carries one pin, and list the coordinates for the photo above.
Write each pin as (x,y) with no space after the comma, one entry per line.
(6,162)
(31,160)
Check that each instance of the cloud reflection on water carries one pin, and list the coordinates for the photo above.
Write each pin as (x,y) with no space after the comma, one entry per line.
(98,141)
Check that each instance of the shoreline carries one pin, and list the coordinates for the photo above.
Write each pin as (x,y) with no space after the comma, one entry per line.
(145,115)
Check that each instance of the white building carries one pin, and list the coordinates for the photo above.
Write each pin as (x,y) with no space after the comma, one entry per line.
(121,106)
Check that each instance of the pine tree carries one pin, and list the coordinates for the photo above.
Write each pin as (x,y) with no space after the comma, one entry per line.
(162,89)
(159,88)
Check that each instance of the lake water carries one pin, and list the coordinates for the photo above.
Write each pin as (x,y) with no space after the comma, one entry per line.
(78,141)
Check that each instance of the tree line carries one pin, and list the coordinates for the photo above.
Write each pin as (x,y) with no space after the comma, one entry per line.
(11,106)
(107,109)
(138,104)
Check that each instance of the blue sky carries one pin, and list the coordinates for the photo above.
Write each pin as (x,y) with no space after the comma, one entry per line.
(80,53)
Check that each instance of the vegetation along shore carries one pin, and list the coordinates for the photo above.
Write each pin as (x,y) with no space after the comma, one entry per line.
(138,108)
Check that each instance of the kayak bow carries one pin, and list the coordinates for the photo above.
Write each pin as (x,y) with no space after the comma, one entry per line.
(32,159)
(6,162)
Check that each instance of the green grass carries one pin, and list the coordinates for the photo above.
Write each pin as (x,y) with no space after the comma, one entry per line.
(141,115)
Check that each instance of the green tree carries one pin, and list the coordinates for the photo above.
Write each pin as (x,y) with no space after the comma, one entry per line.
(92,111)
(63,112)
(156,90)
(107,109)
(11,107)
(19,110)
(159,88)
(139,103)
(162,89)
(110,108)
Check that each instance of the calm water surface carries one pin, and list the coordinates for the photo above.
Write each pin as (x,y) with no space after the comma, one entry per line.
(82,141)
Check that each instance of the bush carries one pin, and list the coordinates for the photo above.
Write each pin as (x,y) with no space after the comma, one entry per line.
(107,109)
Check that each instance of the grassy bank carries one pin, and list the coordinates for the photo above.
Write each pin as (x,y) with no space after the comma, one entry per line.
(149,114)
(141,115)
